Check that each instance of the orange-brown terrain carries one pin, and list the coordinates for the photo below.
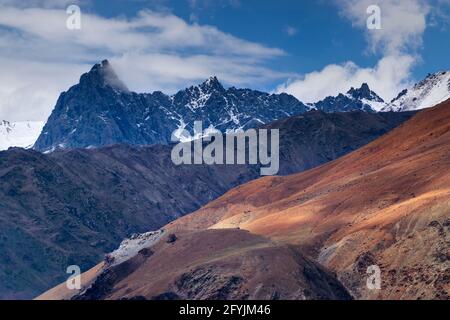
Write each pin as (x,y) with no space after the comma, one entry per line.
(386,204)
(209,264)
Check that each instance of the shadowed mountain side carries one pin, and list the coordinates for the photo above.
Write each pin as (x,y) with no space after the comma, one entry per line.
(315,138)
(386,204)
(71,207)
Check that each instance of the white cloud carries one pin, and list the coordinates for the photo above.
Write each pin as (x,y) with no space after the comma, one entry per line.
(29,90)
(152,51)
(387,78)
(403,24)
(169,72)
(149,31)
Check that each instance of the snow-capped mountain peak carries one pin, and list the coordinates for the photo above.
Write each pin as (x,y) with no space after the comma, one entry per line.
(434,89)
(355,99)
(19,134)
(200,94)
(364,92)
(212,83)
(110,115)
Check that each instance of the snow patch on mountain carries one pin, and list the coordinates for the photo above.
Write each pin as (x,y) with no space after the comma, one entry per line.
(374,105)
(434,89)
(131,247)
(19,134)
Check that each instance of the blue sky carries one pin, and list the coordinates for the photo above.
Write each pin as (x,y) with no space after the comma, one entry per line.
(321,36)
(310,49)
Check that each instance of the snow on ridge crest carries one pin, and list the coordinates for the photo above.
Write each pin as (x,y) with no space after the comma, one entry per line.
(434,89)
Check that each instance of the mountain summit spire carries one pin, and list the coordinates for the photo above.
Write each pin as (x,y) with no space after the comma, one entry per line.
(212,83)
(364,92)
(103,74)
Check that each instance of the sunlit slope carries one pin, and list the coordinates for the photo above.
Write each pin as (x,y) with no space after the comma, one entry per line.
(387,204)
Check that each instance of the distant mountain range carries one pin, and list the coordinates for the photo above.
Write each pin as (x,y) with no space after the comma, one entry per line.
(362,99)
(100,110)
(19,134)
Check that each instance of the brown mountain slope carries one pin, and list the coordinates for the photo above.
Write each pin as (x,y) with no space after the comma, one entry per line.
(386,204)
(211,264)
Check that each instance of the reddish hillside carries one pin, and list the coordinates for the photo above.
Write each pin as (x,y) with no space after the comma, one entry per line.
(387,204)
(209,264)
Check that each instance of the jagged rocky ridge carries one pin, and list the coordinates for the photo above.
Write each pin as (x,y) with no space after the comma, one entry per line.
(100,110)
(432,90)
